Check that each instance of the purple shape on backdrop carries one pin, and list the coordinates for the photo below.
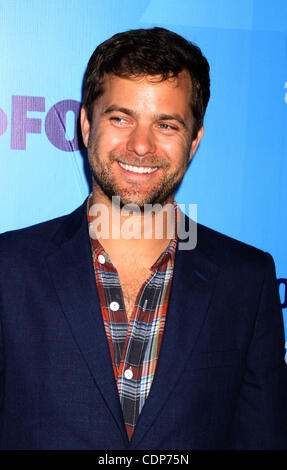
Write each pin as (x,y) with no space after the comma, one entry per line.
(21,125)
(3,122)
(55,125)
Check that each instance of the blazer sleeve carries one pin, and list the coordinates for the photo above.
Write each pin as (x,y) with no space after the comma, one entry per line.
(261,414)
(1,373)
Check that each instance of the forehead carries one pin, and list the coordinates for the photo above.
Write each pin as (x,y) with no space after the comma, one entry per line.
(147,91)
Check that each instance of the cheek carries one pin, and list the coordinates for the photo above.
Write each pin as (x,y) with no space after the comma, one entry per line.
(110,139)
(176,148)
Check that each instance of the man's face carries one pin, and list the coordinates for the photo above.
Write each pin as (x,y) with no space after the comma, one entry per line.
(139,141)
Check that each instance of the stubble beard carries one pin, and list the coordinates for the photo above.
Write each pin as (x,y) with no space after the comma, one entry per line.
(162,192)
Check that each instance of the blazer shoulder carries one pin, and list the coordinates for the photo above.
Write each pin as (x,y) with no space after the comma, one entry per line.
(226,251)
(39,237)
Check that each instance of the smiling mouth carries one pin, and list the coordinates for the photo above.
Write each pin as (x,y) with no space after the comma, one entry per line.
(138,169)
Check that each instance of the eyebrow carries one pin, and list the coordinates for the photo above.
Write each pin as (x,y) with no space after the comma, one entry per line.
(157,117)
(112,108)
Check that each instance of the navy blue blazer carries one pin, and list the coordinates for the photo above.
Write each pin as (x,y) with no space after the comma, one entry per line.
(221,379)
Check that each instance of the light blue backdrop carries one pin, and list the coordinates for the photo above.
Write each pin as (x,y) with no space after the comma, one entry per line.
(238,177)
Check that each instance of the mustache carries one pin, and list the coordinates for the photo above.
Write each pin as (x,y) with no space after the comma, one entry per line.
(150,161)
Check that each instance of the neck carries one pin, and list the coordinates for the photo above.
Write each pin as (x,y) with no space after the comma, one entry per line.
(128,232)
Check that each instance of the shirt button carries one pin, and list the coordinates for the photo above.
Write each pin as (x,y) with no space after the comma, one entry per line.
(128,374)
(114,306)
(101,259)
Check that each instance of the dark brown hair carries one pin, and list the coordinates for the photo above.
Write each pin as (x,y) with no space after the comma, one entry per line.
(155,51)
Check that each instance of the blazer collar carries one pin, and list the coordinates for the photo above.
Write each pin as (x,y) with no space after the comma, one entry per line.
(192,287)
(71,269)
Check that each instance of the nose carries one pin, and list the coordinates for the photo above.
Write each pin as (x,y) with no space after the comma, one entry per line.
(141,141)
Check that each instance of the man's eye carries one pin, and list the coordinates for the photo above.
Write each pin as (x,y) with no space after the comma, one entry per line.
(165,126)
(119,120)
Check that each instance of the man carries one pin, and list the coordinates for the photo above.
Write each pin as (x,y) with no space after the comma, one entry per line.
(118,342)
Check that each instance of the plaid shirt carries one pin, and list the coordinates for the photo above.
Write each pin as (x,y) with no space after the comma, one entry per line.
(134,346)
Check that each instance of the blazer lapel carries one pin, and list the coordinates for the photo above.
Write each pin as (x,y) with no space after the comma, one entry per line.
(192,287)
(72,272)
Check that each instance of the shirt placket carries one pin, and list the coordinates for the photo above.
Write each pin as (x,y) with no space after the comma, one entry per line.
(109,306)
(140,305)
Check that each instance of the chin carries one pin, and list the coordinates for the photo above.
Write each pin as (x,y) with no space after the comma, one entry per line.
(132,201)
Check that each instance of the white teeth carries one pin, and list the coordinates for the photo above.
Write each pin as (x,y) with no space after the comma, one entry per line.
(138,169)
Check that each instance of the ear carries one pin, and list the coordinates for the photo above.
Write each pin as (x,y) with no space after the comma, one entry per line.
(85,126)
(195,143)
